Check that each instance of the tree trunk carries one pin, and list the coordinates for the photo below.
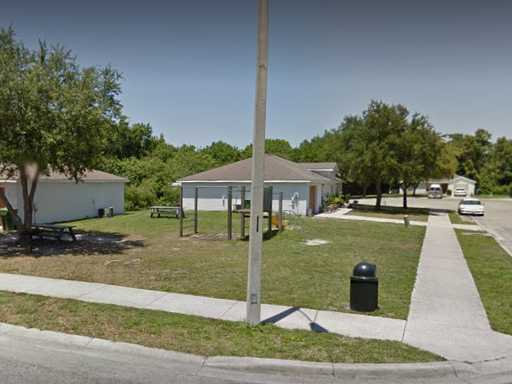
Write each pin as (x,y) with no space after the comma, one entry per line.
(365,190)
(28,191)
(405,188)
(378,187)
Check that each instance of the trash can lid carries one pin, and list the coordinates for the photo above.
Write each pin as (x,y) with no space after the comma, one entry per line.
(365,269)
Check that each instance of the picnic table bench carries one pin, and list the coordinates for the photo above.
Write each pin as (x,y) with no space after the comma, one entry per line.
(53,231)
(158,211)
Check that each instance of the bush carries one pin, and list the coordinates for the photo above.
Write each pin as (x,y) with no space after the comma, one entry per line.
(138,197)
(510,190)
(334,201)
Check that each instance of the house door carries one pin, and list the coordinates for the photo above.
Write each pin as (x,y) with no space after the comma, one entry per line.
(312,198)
(2,205)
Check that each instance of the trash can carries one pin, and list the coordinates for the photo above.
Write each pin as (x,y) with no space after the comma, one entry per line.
(364,288)
(110,211)
(101,212)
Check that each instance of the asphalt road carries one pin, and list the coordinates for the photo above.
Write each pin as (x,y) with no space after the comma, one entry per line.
(497,219)
(29,361)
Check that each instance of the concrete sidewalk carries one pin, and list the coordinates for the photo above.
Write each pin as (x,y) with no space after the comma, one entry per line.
(344,215)
(446,314)
(346,324)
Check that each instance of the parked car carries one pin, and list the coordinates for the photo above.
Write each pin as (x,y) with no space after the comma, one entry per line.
(471,206)
(460,192)
(435,192)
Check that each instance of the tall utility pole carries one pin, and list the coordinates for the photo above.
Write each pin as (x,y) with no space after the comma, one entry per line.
(258,160)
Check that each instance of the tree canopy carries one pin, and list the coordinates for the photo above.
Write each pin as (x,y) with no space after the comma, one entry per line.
(54,115)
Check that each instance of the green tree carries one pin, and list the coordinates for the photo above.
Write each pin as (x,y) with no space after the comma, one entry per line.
(369,145)
(278,147)
(473,152)
(223,153)
(54,116)
(418,152)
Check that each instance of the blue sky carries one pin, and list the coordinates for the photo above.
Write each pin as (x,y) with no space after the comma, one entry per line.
(189,66)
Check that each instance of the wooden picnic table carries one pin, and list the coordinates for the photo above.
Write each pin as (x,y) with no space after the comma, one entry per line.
(53,231)
(158,211)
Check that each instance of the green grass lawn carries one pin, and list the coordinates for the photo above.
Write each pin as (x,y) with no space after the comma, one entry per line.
(197,335)
(294,274)
(455,218)
(491,267)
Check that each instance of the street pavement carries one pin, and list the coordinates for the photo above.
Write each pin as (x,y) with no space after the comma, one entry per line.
(498,221)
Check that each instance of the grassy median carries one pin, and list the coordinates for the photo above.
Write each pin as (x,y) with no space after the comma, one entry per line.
(491,267)
(197,335)
(148,253)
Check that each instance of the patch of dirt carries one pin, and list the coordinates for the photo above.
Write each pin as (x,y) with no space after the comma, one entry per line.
(85,244)
(209,236)
(315,242)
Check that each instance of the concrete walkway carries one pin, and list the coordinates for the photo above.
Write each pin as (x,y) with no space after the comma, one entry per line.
(346,324)
(446,314)
(343,214)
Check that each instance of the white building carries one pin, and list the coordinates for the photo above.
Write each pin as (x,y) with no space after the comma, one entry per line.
(58,198)
(304,185)
(461,184)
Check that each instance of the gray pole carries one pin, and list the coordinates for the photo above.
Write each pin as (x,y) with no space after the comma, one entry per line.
(230,213)
(258,159)
(181,210)
(196,198)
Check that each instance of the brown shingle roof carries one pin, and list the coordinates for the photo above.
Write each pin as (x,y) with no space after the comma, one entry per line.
(276,168)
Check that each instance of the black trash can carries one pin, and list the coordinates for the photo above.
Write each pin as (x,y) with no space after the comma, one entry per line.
(101,212)
(364,288)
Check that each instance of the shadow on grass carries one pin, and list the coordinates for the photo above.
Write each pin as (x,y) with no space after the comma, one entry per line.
(87,243)
(313,325)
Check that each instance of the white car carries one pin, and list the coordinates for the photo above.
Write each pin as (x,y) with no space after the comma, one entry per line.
(471,206)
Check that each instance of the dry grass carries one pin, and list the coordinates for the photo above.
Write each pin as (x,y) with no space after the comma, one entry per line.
(197,335)
(293,274)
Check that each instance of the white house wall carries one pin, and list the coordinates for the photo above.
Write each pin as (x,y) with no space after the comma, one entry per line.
(213,196)
(70,201)
(11,192)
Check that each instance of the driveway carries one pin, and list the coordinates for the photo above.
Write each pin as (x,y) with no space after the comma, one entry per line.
(497,220)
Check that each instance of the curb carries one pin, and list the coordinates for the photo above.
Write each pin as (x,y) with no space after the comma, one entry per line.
(346,371)
(395,371)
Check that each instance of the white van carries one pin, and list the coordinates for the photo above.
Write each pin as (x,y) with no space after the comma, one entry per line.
(435,191)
